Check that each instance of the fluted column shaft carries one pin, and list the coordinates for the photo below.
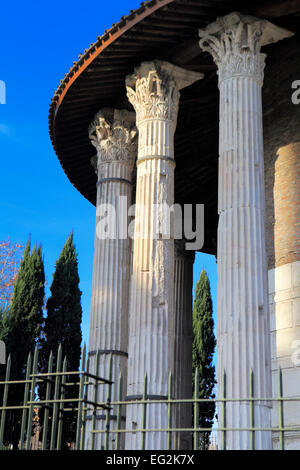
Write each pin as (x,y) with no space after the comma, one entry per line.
(243,318)
(153,90)
(114,135)
(183,300)
(243,322)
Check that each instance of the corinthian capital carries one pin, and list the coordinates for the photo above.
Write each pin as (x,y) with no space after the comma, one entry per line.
(235,40)
(153,89)
(114,134)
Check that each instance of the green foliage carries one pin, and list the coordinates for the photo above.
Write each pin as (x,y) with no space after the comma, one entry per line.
(3,324)
(22,324)
(204,343)
(20,327)
(63,326)
(64,313)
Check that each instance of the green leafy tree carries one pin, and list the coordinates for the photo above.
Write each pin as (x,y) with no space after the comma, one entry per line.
(204,343)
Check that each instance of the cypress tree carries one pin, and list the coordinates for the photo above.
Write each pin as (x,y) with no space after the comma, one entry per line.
(20,329)
(3,335)
(63,326)
(64,313)
(204,343)
(25,316)
(3,324)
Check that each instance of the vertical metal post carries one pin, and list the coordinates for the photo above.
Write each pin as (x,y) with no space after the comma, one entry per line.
(61,406)
(25,400)
(55,403)
(108,400)
(280,410)
(95,397)
(32,391)
(144,409)
(85,396)
(251,412)
(4,401)
(223,424)
(169,435)
(196,409)
(47,405)
(119,411)
(80,396)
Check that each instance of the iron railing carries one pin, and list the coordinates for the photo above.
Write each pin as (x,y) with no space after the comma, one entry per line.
(56,406)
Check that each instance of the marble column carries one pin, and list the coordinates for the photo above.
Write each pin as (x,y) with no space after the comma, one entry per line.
(114,135)
(243,317)
(183,306)
(153,90)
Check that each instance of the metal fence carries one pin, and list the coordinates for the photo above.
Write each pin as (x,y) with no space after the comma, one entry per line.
(55,406)
(48,434)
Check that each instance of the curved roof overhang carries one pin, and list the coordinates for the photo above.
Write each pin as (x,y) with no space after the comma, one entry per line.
(165,30)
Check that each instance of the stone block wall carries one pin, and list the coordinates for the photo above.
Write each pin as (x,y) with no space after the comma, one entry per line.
(282,152)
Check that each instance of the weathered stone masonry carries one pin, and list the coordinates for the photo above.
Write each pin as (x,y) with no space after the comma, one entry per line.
(282,182)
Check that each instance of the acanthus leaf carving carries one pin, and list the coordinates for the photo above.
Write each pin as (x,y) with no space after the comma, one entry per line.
(114,134)
(153,93)
(235,49)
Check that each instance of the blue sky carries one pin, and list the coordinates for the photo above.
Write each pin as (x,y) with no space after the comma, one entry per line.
(39,41)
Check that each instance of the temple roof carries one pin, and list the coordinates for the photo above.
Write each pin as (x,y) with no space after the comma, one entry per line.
(165,30)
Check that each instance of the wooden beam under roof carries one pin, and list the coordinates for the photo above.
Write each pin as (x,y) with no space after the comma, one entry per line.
(276,8)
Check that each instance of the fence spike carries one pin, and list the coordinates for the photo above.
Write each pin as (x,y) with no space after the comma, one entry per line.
(95,399)
(280,410)
(4,401)
(196,409)
(32,391)
(108,400)
(119,410)
(169,435)
(56,392)
(80,397)
(251,410)
(61,406)
(85,397)
(25,400)
(47,397)
(83,357)
(223,424)
(143,440)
